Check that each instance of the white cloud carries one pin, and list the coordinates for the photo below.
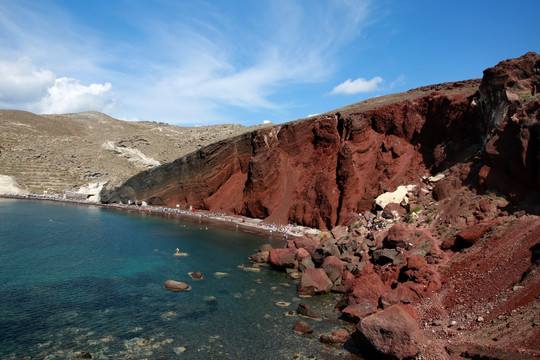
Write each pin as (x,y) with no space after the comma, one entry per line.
(359,85)
(67,95)
(22,83)
(24,86)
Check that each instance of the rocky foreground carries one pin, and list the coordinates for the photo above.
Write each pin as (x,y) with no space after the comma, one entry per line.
(445,264)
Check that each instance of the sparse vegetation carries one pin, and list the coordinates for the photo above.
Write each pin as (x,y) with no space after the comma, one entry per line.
(411,215)
(323,234)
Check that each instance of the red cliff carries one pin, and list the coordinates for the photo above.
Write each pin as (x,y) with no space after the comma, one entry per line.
(319,170)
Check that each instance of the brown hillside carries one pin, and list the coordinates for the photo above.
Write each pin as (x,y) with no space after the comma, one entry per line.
(62,152)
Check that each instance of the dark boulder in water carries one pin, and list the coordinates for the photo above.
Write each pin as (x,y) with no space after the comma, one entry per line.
(196,275)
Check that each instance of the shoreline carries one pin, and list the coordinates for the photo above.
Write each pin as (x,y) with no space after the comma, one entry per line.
(223,221)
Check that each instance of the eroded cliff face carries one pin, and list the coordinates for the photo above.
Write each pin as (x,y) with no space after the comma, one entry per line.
(509,101)
(318,171)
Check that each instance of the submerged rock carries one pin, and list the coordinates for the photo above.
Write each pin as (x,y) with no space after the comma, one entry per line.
(306,310)
(302,327)
(196,275)
(176,286)
(337,337)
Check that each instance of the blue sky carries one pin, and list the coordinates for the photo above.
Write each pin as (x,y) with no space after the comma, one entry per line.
(212,62)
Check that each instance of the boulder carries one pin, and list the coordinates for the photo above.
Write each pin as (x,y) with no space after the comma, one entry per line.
(314,281)
(282,258)
(310,243)
(196,275)
(393,211)
(392,332)
(363,295)
(354,313)
(176,286)
(306,310)
(468,236)
(305,263)
(261,257)
(332,262)
(337,337)
(340,232)
(348,245)
(302,253)
(397,237)
(387,256)
(327,247)
(402,294)
(302,327)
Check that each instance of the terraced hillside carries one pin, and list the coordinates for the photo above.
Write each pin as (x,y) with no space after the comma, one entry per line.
(54,153)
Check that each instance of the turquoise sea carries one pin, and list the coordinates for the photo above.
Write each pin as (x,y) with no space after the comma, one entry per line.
(80,279)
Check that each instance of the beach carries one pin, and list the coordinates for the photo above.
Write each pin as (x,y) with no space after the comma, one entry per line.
(224,221)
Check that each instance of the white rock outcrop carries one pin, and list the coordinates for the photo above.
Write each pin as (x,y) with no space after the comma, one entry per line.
(396,196)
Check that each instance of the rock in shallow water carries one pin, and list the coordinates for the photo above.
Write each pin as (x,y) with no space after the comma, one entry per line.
(196,275)
(302,327)
(176,286)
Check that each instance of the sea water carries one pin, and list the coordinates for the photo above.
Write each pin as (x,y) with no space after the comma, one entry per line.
(80,279)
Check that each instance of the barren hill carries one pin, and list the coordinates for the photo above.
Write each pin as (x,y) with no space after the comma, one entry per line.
(63,152)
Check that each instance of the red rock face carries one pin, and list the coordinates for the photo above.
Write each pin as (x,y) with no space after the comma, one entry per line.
(509,100)
(317,172)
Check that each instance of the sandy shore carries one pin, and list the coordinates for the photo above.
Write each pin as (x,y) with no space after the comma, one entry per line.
(234,222)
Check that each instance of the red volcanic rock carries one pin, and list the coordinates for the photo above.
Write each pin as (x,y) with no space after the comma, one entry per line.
(319,171)
(314,281)
(302,327)
(310,243)
(305,263)
(260,257)
(306,310)
(397,237)
(393,211)
(315,172)
(402,294)
(302,253)
(354,313)
(340,232)
(507,96)
(366,288)
(337,337)
(416,262)
(332,261)
(467,237)
(326,248)
(281,258)
(392,332)
(387,256)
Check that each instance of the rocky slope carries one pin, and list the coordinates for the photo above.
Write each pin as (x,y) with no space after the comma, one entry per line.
(64,152)
(445,267)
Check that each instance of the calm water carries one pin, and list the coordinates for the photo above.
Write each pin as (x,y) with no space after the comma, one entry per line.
(79,279)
